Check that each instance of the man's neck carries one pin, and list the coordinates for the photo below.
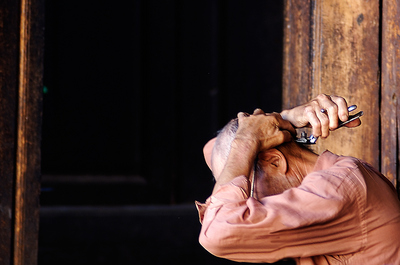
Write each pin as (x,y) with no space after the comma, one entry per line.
(309,159)
(301,161)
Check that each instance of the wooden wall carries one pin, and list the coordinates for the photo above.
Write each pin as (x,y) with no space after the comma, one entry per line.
(347,48)
(390,88)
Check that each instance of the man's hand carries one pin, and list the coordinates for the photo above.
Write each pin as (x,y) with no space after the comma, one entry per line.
(266,130)
(322,114)
(255,133)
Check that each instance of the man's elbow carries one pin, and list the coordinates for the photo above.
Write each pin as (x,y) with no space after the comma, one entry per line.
(216,244)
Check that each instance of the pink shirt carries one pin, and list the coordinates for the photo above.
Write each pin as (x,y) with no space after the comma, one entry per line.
(344,212)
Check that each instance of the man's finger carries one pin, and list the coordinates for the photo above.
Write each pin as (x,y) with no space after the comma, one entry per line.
(343,113)
(314,122)
(324,121)
(258,111)
(332,115)
(243,114)
(287,136)
(283,137)
(285,125)
(279,138)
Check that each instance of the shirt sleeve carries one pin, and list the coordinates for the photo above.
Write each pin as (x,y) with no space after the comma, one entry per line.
(321,216)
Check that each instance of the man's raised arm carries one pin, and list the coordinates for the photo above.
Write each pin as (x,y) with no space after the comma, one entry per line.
(256,133)
(308,114)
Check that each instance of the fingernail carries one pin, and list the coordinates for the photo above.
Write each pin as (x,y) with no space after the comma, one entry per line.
(351,108)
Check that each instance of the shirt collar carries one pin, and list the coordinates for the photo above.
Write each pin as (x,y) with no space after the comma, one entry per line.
(325,160)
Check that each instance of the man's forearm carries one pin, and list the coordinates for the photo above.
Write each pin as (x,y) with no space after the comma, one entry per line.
(240,161)
(255,133)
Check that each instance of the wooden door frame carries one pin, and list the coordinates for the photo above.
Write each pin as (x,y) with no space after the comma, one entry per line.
(363,65)
(21,69)
(390,86)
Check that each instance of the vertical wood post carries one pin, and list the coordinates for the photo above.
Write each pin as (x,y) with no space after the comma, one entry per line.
(390,89)
(296,52)
(30,87)
(342,58)
(21,71)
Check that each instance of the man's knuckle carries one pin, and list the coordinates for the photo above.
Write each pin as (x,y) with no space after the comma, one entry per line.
(323,96)
(340,100)
(317,124)
(309,109)
(332,109)
(324,122)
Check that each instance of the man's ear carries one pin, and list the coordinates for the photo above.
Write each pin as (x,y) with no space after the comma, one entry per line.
(274,159)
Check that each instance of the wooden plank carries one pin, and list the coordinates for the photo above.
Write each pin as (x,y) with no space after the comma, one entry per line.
(343,60)
(9,24)
(390,89)
(296,54)
(348,65)
(30,87)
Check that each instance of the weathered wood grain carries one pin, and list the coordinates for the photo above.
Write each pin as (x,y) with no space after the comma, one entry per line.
(343,59)
(296,56)
(27,177)
(390,89)
(21,71)
(349,66)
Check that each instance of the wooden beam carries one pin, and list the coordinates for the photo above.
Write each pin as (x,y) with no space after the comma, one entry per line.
(390,89)
(21,70)
(342,59)
(27,176)
(296,61)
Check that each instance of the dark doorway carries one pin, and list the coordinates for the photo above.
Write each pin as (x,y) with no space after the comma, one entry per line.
(133,90)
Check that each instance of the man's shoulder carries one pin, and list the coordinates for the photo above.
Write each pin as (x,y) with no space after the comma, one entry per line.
(345,166)
(342,175)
